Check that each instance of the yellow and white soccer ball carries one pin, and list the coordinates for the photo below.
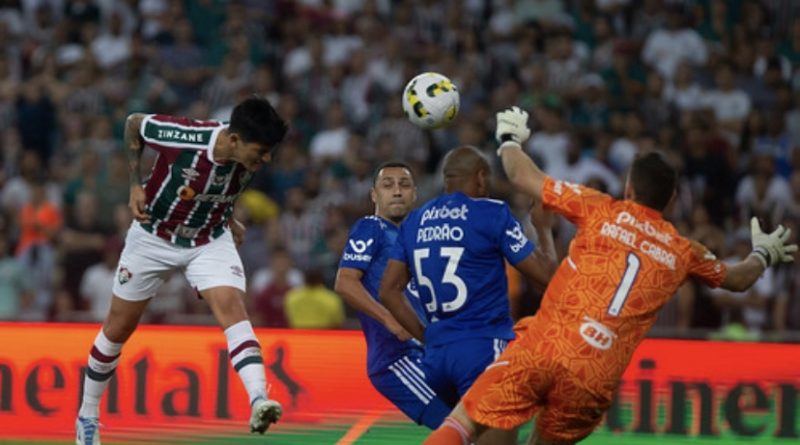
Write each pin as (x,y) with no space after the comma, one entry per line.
(430,100)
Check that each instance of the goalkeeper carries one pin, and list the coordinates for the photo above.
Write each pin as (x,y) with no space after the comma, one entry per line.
(624,264)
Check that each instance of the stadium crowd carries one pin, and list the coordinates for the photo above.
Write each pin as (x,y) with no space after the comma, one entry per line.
(713,84)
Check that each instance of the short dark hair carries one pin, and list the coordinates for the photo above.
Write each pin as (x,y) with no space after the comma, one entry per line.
(653,180)
(390,164)
(255,120)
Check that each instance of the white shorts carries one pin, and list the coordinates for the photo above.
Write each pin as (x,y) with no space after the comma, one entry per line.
(147,260)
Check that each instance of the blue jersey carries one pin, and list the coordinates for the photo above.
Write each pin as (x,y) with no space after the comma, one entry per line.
(367,250)
(454,246)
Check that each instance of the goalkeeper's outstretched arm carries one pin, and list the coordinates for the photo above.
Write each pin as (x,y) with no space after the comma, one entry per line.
(512,131)
(769,249)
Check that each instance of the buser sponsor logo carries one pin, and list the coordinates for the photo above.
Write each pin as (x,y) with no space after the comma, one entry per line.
(357,257)
(518,236)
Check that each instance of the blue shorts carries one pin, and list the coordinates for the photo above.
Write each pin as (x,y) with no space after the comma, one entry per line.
(453,367)
(404,383)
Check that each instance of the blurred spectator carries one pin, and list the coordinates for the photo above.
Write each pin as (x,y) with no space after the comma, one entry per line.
(39,222)
(647,19)
(730,104)
(792,209)
(281,268)
(113,46)
(592,112)
(584,169)
(327,252)
(220,91)
(84,178)
(549,143)
(665,48)
(96,283)
(406,140)
(313,306)
(269,288)
(15,283)
(762,193)
(708,171)
(626,77)
(300,226)
(774,142)
(182,63)
(683,92)
(36,119)
(82,243)
(332,141)
(113,190)
(632,140)
(17,191)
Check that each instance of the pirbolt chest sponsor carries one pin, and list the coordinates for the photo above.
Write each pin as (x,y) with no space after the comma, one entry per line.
(444,212)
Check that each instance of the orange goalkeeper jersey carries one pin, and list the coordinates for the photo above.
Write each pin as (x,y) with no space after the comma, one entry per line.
(624,264)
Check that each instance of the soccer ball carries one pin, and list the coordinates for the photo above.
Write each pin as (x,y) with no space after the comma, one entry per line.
(430,100)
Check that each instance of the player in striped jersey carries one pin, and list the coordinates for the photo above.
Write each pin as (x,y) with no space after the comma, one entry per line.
(183,220)
(394,360)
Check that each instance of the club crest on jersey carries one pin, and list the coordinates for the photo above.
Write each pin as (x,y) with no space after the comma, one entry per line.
(124,275)
(189,174)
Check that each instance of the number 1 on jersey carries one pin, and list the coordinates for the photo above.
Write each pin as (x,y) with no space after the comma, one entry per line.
(624,288)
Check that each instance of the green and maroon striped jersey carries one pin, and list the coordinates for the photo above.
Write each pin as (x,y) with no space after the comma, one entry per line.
(189,196)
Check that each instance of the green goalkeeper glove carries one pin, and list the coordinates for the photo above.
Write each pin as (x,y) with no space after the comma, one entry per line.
(770,248)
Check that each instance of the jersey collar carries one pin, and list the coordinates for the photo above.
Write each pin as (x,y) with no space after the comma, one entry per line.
(214,136)
(650,212)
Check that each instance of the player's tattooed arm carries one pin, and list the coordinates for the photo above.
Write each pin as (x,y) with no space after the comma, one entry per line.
(132,140)
(395,279)
(134,145)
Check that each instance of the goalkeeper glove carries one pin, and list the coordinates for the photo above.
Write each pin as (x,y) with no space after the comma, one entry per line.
(770,248)
(512,125)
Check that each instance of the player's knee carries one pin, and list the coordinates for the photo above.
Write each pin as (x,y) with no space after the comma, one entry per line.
(119,329)
(227,304)
(122,319)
